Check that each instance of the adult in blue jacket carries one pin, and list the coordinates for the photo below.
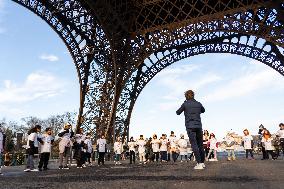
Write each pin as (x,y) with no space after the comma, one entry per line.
(192,110)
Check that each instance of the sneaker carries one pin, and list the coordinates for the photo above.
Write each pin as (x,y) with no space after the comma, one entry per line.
(198,166)
(34,170)
(215,159)
(203,165)
(84,166)
(79,167)
(60,167)
(40,169)
(66,167)
(27,170)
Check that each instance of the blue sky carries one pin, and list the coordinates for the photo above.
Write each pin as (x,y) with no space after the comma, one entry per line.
(39,78)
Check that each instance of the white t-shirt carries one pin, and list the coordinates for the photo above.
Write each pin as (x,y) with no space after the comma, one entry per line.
(268,144)
(117,147)
(101,145)
(280,133)
(182,143)
(31,137)
(141,146)
(164,145)
(155,145)
(173,141)
(46,146)
(88,142)
(131,146)
(247,142)
(213,143)
(1,142)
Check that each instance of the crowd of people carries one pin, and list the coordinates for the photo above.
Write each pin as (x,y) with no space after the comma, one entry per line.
(200,147)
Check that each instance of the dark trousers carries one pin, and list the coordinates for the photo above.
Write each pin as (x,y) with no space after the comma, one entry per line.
(174,156)
(264,153)
(164,155)
(132,156)
(156,156)
(282,145)
(273,156)
(43,162)
(169,157)
(249,151)
(195,136)
(101,158)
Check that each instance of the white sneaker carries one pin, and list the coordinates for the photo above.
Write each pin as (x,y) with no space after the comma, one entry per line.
(27,170)
(198,166)
(203,165)
(34,170)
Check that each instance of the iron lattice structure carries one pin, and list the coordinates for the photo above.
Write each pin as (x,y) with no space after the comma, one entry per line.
(118,46)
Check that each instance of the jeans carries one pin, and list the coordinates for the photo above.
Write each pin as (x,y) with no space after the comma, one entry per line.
(195,136)
(30,162)
(132,156)
(156,156)
(249,151)
(163,155)
(231,154)
(101,158)
(66,155)
(117,157)
(174,156)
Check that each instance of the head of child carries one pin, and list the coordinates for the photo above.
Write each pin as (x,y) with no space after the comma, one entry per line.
(37,128)
(154,136)
(67,126)
(141,137)
(246,132)
(102,136)
(131,139)
(181,136)
(48,131)
(172,133)
(212,135)
(118,139)
(163,136)
(281,126)
(206,132)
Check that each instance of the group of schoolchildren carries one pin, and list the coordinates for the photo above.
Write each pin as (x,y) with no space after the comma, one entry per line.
(154,149)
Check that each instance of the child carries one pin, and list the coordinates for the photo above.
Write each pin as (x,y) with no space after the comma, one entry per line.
(117,150)
(131,146)
(2,144)
(173,146)
(155,146)
(212,147)
(79,146)
(45,149)
(229,142)
(64,145)
(248,143)
(267,143)
(280,134)
(101,147)
(31,149)
(89,149)
(141,149)
(163,148)
(182,144)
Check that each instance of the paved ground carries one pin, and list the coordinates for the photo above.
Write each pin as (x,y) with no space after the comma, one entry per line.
(243,174)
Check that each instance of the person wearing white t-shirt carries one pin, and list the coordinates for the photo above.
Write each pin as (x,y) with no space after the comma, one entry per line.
(2,144)
(163,148)
(141,149)
(280,134)
(31,149)
(182,145)
(213,145)
(101,147)
(156,147)
(172,147)
(248,143)
(89,149)
(267,141)
(131,145)
(117,147)
(64,145)
(45,149)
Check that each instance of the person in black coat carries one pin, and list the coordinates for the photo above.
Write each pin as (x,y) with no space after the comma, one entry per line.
(192,110)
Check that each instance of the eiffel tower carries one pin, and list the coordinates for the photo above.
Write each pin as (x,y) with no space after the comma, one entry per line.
(118,46)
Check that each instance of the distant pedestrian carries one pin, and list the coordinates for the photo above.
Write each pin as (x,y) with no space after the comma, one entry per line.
(2,145)
(156,147)
(31,149)
(132,145)
(247,141)
(45,149)
(213,146)
(89,149)
(230,146)
(163,148)
(182,145)
(192,110)
(267,143)
(101,148)
(260,135)
(64,145)
(280,134)
(141,149)
(117,150)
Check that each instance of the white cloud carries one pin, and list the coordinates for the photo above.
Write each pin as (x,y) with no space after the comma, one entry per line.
(37,85)
(50,57)
(254,78)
